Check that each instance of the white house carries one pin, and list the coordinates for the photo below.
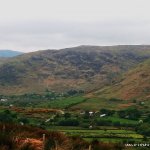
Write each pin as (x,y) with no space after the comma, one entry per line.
(11,105)
(90,127)
(91,113)
(140,121)
(48,120)
(142,103)
(3,100)
(102,115)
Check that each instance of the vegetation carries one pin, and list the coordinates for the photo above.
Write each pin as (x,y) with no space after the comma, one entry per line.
(81,93)
(84,67)
(133,85)
(30,139)
(131,113)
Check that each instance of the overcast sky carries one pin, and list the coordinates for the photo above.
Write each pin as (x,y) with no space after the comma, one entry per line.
(29,25)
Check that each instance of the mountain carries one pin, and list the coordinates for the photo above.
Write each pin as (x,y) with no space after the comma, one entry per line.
(84,67)
(9,53)
(135,84)
(3,59)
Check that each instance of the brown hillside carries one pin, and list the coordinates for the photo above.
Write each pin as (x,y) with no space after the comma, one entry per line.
(83,67)
(135,84)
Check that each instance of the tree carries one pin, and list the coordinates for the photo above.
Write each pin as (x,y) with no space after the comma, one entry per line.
(130,113)
(144,129)
(72,92)
(67,115)
(103,122)
(7,116)
(107,111)
(86,115)
(69,122)
(23,120)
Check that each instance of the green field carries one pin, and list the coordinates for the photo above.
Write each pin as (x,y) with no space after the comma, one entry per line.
(97,103)
(103,135)
(111,128)
(63,103)
(115,119)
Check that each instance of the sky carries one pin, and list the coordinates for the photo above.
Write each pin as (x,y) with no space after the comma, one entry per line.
(30,25)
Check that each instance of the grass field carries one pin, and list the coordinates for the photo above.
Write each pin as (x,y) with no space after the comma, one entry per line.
(115,119)
(97,103)
(63,103)
(103,135)
(113,140)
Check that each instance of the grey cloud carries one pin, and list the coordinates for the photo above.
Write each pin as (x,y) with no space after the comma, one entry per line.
(36,35)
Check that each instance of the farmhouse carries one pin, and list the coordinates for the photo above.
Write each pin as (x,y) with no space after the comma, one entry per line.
(91,113)
(3,100)
(48,120)
(102,115)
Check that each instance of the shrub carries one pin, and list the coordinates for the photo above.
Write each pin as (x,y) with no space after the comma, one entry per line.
(85,125)
(103,122)
(49,144)
(107,111)
(130,113)
(144,129)
(27,146)
(69,122)
(7,141)
(117,124)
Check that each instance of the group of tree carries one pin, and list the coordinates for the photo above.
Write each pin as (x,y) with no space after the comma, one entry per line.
(108,112)
(11,117)
(130,113)
(144,129)
(68,122)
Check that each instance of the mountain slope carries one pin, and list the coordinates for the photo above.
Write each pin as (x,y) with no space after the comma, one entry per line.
(135,84)
(84,67)
(3,60)
(9,53)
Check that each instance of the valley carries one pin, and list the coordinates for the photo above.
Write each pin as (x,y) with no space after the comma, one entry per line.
(87,94)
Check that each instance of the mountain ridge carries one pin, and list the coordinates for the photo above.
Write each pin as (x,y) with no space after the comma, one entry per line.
(9,53)
(134,84)
(83,67)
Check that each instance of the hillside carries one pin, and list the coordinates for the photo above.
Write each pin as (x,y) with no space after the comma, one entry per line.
(84,67)
(135,84)
(3,60)
(9,53)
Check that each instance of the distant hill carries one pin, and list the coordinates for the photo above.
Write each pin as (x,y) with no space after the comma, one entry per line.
(85,67)
(9,53)
(135,84)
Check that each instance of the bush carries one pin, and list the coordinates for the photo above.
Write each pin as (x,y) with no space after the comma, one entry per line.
(69,122)
(72,92)
(67,115)
(130,113)
(107,111)
(144,129)
(7,116)
(49,144)
(7,141)
(27,146)
(103,122)
(85,125)
(23,120)
(116,124)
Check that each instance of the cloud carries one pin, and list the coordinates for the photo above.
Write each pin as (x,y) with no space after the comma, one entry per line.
(47,24)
